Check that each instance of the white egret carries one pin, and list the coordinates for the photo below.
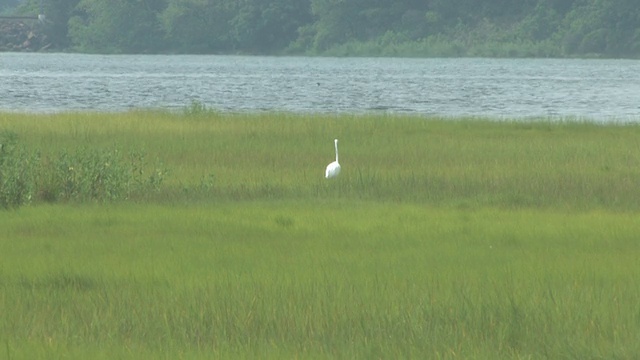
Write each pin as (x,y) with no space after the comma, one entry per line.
(333,169)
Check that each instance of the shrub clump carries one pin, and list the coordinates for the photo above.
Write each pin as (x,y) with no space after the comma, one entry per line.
(97,174)
(82,175)
(198,109)
(16,172)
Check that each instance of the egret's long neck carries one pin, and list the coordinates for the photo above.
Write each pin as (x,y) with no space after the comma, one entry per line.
(336,142)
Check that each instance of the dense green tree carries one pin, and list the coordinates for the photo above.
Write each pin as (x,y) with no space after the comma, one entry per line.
(197,26)
(250,26)
(362,27)
(58,13)
(360,20)
(336,22)
(263,27)
(8,4)
(541,23)
(610,27)
(506,8)
(122,26)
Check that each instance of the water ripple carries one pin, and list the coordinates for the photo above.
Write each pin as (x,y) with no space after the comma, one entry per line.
(602,90)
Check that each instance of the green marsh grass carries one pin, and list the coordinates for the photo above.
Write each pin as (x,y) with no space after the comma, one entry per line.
(442,238)
(472,162)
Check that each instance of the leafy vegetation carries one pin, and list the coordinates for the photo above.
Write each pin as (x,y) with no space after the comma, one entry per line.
(16,172)
(212,156)
(85,174)
(8,4)
(441,238)
(541,28)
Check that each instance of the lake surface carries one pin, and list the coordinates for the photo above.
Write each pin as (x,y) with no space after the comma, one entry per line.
(601,90)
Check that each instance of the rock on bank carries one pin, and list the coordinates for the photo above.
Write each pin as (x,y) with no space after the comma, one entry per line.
(22,36)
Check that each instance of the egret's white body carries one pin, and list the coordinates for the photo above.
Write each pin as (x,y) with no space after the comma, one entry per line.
(333,169)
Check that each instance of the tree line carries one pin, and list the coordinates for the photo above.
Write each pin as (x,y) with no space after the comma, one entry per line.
(514,28)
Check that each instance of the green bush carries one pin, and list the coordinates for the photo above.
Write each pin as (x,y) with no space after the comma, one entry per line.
(80,175)
(97,175)
(197,109)
(16,175)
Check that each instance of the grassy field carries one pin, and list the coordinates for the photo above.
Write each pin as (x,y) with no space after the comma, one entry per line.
(441,238)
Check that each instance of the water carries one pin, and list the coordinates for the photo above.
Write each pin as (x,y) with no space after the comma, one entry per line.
(601,90)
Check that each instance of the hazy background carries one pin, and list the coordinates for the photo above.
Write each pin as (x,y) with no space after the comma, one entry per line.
(484,28)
